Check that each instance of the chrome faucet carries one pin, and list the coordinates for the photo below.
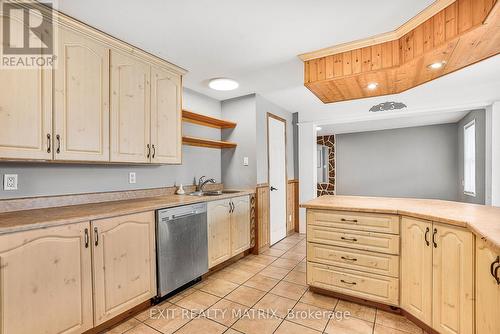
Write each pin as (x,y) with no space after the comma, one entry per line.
(202,182)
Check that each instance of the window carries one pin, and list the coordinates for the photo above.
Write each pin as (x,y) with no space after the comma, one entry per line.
(470,159)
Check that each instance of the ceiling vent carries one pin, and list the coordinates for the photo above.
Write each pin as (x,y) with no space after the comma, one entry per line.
(388,106)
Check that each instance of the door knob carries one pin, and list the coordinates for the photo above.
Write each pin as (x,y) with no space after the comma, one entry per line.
(273,189)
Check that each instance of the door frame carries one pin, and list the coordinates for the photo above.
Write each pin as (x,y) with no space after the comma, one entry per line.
(268,116)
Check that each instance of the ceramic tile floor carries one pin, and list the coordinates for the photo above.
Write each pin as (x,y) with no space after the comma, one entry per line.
(254,296)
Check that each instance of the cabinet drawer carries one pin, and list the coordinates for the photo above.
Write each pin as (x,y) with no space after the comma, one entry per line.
(376,263)
(355,220)
(376,242)
(351,282)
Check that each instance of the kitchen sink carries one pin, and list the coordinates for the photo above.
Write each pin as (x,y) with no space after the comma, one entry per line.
(214,193)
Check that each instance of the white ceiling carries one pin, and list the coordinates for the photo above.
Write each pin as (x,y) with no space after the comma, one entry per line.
(257,42)
(253,41)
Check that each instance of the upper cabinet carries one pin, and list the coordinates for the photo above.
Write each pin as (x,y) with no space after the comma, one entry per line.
(112,103)
(166,116)
(130,109)
(25,110)
(81,104)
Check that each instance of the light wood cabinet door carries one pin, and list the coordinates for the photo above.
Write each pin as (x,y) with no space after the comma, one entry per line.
(81,105)
(240,225)
(130,109)
(487,290)
(166,117)
(416,268)
(219,232)
(25,108)
(46,281)
(453,280)
(124,263)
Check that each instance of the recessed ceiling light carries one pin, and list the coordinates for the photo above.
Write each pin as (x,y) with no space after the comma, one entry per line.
(223,84)
(372,86)
(437,65)
(318,128)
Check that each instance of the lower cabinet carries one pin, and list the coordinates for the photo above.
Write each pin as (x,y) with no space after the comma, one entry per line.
(219,232)
(124,261)
(228,228)
(68,279)
(240,225)
(487,289)
(46,281)
(437,275)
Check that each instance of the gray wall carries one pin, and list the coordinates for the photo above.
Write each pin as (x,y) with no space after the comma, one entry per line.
(250,112)
(480,117)
(410,162)
(242,111)
(37,179)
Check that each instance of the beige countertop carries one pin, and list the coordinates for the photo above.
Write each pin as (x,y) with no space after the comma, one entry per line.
(41,218)
(482,220)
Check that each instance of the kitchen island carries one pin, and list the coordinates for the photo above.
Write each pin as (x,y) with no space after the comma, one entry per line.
(435,260)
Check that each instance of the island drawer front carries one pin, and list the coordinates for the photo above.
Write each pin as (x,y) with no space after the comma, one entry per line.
(354,283)
(355,220)
(376,263)
(369,241)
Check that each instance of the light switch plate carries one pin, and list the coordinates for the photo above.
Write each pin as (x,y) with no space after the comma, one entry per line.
(245,161)
(10,182)
(132,178)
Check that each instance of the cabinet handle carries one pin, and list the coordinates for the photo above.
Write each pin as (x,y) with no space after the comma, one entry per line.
(349,239)
(149,151)
(350,283)
(86,238)
(96,233)
(427,230)
(496,275)
(154,151)
(348,259)
(349,220)
(493,271)
(434,238)
(231,207)
(58,138)
(49,143)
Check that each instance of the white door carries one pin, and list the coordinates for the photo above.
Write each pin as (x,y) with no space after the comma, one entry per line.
(277,178)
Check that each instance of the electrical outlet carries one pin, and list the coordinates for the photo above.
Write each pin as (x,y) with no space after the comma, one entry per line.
(10,182)
(245,161)
(132,178)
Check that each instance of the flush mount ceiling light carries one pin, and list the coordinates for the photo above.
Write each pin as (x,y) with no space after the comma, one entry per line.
(372,86)
(436,66)
(318,128)
(223,84)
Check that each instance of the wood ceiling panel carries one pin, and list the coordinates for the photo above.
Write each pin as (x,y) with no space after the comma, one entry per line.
(460,34)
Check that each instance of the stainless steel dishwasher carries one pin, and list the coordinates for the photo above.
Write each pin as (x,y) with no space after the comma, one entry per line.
(181,246)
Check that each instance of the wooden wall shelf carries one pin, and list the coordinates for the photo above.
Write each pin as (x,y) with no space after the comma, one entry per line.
(202,142)
(191,117)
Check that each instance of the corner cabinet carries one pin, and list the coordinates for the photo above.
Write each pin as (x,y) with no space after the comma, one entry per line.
(124,263)
(437,276)
(228,229)
(73,277)
(487,289)
(104,101)
(46,281)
